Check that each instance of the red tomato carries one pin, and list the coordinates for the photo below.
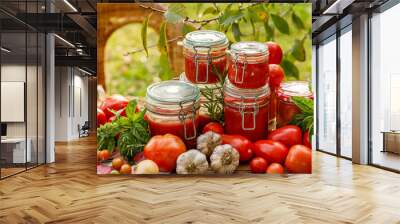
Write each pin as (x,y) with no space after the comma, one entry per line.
(299,159)
(276,75)
(215,127)
(288,135)
(258,165)
(125,169)
(117,163)
(275,53)
(306,139)
(101,117)
(164,150)
(275,168)
(272,151)
(113,103)
(104,155)
(243,145)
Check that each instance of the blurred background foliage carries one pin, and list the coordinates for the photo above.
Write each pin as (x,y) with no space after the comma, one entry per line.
(136,55)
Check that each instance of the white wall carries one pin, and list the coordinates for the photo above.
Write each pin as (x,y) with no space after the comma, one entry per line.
(71,102)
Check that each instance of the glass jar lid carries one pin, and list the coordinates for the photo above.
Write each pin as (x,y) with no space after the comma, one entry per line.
(205,38)
(295,88)
(171,96)
(248,49)
(239,93)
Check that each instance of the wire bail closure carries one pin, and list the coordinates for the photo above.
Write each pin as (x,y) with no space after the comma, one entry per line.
(182,117)
(237,80)
(197,57)
(243,113)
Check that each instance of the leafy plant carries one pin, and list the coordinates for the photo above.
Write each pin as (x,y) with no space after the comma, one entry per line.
(305,120)
(133,132)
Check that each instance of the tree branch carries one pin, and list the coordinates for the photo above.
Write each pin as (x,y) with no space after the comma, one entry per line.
(150,46)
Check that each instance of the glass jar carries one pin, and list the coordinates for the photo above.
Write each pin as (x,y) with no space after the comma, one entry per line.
(248,65)
(173,107)
(204,117)
(285,107)
(203,50)
(246,111)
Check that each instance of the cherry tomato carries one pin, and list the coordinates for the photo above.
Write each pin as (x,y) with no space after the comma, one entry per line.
(117,163)
(258,165)
(243,145)
(276,75)
(125,169)
(104,155)
(272,151)
(288,135)
(275,168)
(215,127)
(275,53)
(164,150)
(101,117)
(113,103)
(306,139)
(299,159)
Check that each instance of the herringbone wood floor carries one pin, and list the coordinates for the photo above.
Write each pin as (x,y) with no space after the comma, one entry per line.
(69,191)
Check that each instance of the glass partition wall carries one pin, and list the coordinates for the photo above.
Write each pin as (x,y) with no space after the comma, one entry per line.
(22,88)
(385,90)
(334,94)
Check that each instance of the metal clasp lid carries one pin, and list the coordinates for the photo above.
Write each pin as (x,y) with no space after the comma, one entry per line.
(244,67)
(182,117)
(196,61)
(242,110)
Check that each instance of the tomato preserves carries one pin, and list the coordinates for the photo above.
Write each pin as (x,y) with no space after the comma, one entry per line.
(248,65)
(173,107)
(246,111)
(205,55)
(285,107)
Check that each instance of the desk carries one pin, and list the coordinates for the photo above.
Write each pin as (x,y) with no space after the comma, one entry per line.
(16,148)
(391,141)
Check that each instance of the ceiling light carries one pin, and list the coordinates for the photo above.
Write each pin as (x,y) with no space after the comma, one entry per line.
(84,71)
(64,40)
(337,7)
(70,5)
(5,50)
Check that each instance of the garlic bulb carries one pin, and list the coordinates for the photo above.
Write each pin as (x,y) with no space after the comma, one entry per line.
(224,159)
(207,142)
(191,162)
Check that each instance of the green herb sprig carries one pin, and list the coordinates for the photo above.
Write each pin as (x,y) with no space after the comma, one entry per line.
(305,120)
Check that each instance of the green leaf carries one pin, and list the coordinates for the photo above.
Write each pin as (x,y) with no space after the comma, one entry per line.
(162,41)
(176,13)
(236,31)
(186,28)
(290,69)
(210,10)
(144,34)
(131,109)
(280,23)
(269,31)
(230,16)
(298,51)
(306,105)
(297,21)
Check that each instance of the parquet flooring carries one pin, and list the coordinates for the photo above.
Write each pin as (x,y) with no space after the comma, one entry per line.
(69,191)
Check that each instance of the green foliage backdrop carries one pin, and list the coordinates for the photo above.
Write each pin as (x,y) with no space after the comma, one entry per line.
(136,55)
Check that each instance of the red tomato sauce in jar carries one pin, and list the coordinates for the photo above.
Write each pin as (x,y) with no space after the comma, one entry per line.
(246,111)
(285,107)
(162,127)
(248,65)
(173,108)
(205,55)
